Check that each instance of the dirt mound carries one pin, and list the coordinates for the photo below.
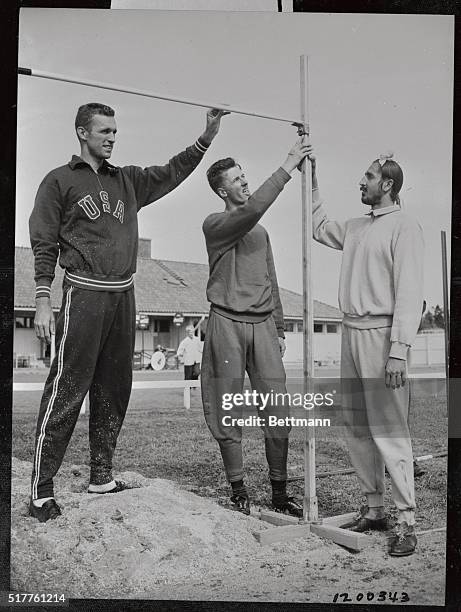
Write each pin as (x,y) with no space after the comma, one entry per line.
(125,544)
(163,542)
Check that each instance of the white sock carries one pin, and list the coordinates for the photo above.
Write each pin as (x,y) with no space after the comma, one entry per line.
(39,502)
(407,516)
(102,488)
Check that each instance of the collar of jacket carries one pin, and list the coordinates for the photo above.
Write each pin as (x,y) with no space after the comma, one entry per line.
(105,166)
(384,211)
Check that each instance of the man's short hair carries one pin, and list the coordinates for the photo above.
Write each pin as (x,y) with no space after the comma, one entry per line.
(216,170)
(86,112)
(391,170)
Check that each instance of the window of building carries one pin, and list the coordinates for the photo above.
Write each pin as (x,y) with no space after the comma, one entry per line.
(318,328)
(332,328)
(289,326)
(161,325)
(300,326)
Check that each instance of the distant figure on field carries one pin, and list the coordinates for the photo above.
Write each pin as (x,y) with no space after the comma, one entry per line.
(190,352)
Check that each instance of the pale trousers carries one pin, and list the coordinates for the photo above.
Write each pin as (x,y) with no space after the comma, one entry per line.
(376,420)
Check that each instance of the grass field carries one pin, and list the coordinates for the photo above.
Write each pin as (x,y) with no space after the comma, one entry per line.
(161,439)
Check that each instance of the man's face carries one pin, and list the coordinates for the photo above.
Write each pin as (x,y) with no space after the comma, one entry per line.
(190,333)
(100,136)
(234,186)
(371,185)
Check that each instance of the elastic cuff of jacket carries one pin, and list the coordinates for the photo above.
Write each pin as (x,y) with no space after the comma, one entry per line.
(398,350)
(201,146)
(42,291)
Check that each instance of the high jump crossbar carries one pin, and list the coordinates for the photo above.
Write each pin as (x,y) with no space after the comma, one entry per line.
(149,94)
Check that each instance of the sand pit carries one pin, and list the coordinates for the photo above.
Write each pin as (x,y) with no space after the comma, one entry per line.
(163,542)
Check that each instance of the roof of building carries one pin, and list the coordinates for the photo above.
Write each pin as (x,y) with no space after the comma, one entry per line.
(161,286)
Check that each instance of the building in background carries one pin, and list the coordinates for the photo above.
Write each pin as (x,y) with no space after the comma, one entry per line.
(169,296)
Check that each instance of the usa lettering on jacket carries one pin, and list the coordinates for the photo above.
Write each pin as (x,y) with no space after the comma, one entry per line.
(93,211)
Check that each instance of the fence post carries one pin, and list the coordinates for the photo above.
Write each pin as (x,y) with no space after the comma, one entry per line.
(186,397)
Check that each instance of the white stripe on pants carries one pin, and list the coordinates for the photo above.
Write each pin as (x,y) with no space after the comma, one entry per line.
(41,437)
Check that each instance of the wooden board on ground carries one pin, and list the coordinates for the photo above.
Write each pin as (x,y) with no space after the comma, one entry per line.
(277,518)
(339,519)
(344,537)
(289,528)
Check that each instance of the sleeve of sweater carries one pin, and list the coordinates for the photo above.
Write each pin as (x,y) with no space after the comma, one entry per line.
(329,233)
(44,226)
(223,230)
(278,309)
(408,273)
(152,183)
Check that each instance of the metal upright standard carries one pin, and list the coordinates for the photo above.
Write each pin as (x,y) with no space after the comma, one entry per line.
(310,497)
(288,527)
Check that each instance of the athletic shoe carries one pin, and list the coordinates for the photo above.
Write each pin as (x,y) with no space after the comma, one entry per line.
(404,542)
(287,505)
(49,510)
(119,486)
(241,502)
(362,523)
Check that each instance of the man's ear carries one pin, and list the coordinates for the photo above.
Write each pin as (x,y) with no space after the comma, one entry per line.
(387,184)
(82,133)
(222,192)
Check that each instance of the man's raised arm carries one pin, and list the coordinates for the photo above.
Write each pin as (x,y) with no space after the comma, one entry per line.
(154,182)
(327,232)
(223,231)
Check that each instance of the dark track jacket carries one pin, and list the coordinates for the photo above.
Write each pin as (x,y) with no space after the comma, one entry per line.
(90,220)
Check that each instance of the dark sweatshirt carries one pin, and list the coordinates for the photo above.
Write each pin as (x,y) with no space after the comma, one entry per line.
(243,283)
(90,219)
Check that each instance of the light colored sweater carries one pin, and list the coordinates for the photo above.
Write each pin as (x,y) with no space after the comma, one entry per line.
(190,349)
(381,272)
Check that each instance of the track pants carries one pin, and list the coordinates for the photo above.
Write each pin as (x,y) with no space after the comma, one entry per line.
(376,420)
(95,332)
(230,349)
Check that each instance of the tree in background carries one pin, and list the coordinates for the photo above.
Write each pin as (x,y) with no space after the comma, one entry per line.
(433,318)
(439,318)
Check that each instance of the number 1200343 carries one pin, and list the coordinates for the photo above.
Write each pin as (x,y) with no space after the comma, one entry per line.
(393,597)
